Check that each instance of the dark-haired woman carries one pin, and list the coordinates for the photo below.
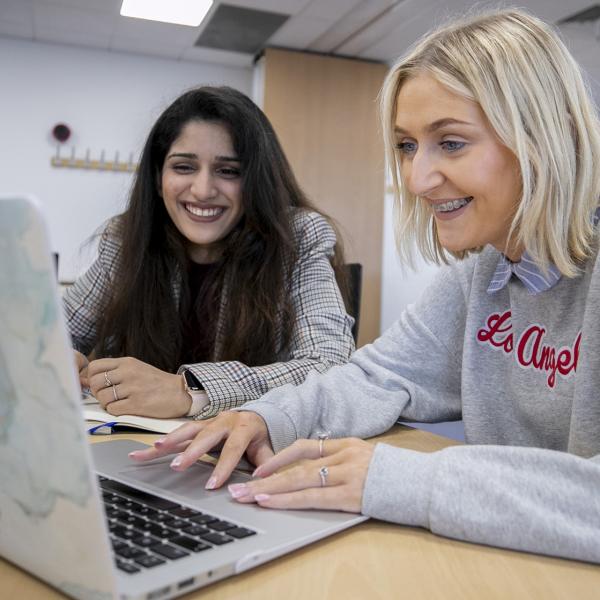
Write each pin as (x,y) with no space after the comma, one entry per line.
(217,283)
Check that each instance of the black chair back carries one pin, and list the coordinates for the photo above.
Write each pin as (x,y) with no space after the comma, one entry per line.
(354,277)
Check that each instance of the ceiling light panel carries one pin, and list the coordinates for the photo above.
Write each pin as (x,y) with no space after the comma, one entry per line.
(179,12)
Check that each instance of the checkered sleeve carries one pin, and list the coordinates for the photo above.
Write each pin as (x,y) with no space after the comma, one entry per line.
(321,336)
(87,298)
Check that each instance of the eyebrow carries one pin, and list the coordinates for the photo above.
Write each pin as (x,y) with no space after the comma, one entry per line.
(437,125)
(195,156)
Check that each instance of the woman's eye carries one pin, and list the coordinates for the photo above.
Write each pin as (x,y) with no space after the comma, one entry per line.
(452,145)
(183,168)
(229,172)
(406,147)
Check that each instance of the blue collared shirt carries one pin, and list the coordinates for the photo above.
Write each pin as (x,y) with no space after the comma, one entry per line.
(529,273)
(527,270)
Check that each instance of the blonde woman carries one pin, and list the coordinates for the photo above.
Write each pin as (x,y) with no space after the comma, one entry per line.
(495,148)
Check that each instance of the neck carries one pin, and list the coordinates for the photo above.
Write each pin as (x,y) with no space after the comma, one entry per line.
(513,252)
(204,255)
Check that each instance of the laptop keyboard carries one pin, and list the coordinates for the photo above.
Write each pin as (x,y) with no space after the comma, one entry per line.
(147,530)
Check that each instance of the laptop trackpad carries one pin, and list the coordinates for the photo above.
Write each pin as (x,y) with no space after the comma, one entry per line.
(189,483)
(111,459)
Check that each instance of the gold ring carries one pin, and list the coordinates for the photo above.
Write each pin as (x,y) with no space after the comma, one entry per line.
(114,387)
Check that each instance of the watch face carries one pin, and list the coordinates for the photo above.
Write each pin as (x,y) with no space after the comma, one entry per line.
(192,382)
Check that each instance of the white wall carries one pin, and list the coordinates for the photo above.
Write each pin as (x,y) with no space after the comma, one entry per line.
(110,101)
(402,286)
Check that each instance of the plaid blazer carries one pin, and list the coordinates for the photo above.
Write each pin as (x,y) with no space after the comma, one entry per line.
(321,336)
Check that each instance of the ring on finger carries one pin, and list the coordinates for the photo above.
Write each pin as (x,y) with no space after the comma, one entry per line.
(322,437)
(114,389)
(107,379)
(323,474)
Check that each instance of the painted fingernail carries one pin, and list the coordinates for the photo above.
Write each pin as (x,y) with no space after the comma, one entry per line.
(159,441)
(176,462)
(211,484)
(237,490)
(133,454)
(261,497)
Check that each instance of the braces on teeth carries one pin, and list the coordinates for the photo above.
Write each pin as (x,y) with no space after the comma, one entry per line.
(453,204)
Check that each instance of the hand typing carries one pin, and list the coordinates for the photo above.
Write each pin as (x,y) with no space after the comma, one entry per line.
(333,481)
(239,432)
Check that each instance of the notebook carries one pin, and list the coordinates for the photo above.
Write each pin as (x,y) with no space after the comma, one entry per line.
(84,518)
(92,411)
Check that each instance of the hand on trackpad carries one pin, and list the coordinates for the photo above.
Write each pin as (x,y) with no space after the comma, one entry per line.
(244,465)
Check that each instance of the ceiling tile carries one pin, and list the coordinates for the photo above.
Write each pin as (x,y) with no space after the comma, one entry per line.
(390,36)
(398,20)
(58,17)
(331,9)
(107,6)
(343,28)
(299,32)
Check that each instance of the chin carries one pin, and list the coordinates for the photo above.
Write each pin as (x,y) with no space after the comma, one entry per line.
(455,246)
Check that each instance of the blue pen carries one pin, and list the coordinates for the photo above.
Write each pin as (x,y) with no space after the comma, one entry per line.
(97,428)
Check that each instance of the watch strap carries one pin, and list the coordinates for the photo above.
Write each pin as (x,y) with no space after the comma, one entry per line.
(196,392)
(199,401)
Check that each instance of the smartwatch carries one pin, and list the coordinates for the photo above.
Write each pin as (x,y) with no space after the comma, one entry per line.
(195,390)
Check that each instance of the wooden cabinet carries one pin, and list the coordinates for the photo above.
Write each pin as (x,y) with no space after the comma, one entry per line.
(325,112)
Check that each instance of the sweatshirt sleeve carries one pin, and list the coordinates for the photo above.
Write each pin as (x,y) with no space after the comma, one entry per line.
(377,386)
(322,330)
(529,499)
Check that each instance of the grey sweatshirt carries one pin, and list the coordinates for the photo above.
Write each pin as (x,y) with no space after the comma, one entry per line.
(522,370)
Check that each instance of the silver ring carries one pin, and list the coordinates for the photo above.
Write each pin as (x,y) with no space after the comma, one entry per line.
(107,380)
(114,387)
(323,473)
(324,435)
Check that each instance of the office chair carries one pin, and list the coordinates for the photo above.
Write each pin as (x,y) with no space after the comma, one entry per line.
(354,278)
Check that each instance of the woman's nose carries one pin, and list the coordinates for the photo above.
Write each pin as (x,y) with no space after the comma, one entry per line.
(203,186)
(423,174)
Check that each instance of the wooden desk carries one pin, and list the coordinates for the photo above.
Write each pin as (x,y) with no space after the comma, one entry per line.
(377,560)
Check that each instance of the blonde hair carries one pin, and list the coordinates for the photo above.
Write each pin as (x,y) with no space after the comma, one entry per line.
(534,96)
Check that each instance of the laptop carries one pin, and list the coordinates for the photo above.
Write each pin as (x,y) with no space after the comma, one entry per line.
(83,517)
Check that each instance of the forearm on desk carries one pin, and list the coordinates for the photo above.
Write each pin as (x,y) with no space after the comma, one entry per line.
(527,499)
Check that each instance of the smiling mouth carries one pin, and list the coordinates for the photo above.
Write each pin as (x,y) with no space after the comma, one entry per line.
(204,212)
(452,205)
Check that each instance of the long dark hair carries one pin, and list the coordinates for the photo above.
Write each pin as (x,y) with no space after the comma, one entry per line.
(144,318)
